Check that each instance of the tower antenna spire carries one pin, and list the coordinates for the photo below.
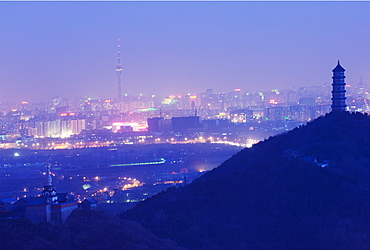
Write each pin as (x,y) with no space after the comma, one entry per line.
(49,181)
(119,70)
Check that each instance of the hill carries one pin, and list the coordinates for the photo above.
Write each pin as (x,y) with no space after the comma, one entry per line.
(307,188)
(86,230)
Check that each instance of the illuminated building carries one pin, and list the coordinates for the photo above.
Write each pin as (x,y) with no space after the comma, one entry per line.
(66,126)
(49,206)
(278,113)
(127,126)
(194,101)
(338,92)
(296,112)
(241,115)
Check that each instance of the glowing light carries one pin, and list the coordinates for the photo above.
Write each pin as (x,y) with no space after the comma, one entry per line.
(148,109)
(168,101)
(249,142)
(63,114)
(237,90)
(135,183)
(17,154)
(273,101)
(162,161)
(193,97)
(136,126)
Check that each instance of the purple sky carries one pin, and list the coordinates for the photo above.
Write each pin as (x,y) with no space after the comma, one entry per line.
(68,49)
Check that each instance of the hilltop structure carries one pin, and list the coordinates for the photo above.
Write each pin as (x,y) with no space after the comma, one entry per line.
(339,92)
(49,206)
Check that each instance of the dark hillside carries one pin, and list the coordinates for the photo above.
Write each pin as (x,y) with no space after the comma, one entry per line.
(86,230)
(308,188)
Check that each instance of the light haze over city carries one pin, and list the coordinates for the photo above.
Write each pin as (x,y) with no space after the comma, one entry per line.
(69,49)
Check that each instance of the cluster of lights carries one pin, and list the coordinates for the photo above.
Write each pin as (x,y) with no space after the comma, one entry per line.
(135,183)
(168,182)
(67,114)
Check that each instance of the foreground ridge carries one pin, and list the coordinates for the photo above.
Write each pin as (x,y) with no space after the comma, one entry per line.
(275,194)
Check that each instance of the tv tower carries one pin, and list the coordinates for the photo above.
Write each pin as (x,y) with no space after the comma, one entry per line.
(119,72)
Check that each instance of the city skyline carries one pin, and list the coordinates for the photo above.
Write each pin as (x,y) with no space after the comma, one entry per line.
(69,49)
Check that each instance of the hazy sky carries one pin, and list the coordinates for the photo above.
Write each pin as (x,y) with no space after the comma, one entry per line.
(69,49)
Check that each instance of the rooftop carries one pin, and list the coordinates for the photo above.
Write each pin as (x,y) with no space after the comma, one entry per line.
(338,68)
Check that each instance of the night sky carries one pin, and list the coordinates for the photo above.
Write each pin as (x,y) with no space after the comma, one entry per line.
(69,49)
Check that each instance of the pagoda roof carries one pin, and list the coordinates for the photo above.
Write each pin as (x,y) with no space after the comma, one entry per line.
(338,68)
(90,200)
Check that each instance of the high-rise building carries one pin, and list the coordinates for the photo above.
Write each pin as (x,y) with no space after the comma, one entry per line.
(338,92)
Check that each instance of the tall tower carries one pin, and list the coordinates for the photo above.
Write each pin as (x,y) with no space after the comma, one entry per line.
(119,72)
(338,92)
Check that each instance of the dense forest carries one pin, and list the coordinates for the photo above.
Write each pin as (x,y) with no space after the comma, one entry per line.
(277,194)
